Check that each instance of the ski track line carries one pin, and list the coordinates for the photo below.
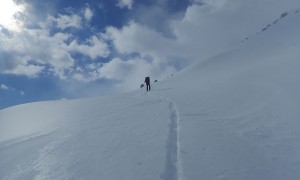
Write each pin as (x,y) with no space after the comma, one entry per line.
(173,169)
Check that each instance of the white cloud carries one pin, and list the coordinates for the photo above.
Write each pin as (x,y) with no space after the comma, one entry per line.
(219,5)
(93,47)
(34,45)
(4,87)
(66,21)
(80,77)
(40,47)
(32,51)
(136,38)
(7,88)
(125,3)
(30,70)
(9,15)
(88,14)
(116,69)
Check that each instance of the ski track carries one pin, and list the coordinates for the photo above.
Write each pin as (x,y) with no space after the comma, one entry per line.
(173,169)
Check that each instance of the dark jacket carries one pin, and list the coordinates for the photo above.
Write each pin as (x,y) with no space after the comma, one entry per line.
(147,80)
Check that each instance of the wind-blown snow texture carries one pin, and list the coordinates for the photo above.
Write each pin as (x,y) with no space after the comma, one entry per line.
(235,116)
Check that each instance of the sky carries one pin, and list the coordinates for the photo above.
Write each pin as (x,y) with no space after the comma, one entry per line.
(63,49)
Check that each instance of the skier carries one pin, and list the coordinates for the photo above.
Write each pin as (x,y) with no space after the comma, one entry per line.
(147,81)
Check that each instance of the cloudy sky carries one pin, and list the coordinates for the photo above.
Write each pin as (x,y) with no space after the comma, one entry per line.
(62,49)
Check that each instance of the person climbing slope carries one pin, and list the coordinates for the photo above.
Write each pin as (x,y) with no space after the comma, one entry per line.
(147,81)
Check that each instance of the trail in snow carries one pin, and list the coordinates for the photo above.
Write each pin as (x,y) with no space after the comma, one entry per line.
(171,167)
(173,170)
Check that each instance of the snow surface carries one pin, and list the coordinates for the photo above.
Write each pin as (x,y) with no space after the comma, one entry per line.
(235,116)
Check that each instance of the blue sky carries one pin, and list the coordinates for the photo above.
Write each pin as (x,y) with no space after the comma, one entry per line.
(62,49)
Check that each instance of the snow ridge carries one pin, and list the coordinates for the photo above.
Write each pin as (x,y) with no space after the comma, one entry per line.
(268,26)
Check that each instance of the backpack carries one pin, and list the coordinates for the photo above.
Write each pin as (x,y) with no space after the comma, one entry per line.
(147,79)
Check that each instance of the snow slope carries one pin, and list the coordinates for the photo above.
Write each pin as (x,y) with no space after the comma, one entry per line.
(235,116)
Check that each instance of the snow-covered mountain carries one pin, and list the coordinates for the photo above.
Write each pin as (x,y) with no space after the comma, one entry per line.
(234,116)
